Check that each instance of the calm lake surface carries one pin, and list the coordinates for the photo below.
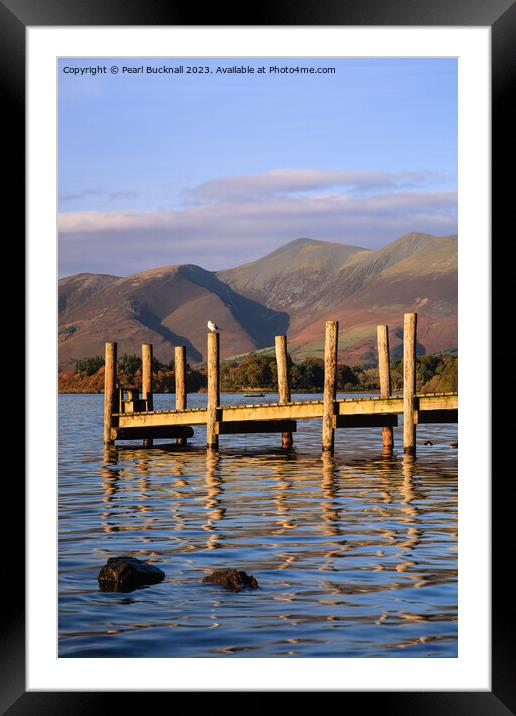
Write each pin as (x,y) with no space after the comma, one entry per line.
(355,555)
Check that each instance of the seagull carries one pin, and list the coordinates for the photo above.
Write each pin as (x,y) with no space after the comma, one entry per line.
(213,327)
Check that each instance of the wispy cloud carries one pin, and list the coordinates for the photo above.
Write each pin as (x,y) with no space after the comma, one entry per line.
(80,195)
(224,219)
(88,194)
(289,181)
(233,221)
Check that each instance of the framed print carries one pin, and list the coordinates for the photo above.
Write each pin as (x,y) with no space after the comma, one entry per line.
(255,205)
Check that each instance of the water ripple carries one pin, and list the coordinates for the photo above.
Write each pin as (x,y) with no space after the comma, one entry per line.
(355,554)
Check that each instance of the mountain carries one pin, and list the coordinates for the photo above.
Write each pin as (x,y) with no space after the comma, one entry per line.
(166,306)
(288,277)
(297,287)
(359,288)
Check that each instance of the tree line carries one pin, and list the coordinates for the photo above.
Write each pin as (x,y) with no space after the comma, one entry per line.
(436,372)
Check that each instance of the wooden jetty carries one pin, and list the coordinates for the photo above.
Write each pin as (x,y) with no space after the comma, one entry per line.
(129,417)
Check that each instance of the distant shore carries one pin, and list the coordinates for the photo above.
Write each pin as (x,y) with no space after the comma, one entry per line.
(435,373)
(250,393)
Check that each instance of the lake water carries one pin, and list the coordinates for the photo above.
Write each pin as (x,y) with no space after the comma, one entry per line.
(355,555)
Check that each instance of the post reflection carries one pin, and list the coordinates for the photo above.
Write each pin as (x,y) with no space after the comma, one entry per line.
(280,498)
(110,486)
(110,455)
(177,470)
(388,473)
(409,516)
(284,470)
(387,467)
(142,468)
(369,516)
(331,525)
(329,512)
(214,510)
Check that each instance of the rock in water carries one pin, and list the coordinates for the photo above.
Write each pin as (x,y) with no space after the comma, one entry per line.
(123,574)
(454,445)
(231,579)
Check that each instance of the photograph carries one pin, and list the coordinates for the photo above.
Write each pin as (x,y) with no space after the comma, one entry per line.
(258,357)
(253,256)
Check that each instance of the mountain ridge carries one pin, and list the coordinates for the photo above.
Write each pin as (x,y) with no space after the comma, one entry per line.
(293,289)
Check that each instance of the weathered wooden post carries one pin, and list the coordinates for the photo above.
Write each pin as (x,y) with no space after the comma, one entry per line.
(212,438)
(283,385)
(330,384)
(109,390)
(409,383)
(180,373)
(384,370)
(147,382)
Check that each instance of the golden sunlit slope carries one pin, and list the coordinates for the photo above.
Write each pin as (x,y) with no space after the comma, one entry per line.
(417,272)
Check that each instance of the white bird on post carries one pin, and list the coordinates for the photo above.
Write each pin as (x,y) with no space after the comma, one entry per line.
(213,327)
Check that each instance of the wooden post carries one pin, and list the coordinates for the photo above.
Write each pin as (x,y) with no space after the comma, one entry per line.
(147,382)
(212,438)
(109,390)
(409,383)
(330,384)
(283,386)
(180,373)
(384,370)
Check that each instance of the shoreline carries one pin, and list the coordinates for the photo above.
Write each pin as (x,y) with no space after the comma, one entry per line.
(242,392)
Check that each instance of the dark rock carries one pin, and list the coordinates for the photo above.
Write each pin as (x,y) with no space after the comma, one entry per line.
(454,445)
(123,574)
(428,442)
(231,579)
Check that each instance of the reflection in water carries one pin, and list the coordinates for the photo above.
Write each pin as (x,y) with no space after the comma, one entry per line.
(281,487)
(142,468)
(213,503)
(110,485)
(355,553)
(410,512)
(331,519)
(280,494)
(176,491)
(329,514)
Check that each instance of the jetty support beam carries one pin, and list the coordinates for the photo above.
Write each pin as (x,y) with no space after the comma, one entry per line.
(180,375)
(257,426)
(212,436)
(159,432)
(283,384)
(330,385)
(437,416)
(109,390)
(147,382)
(384,370)
(409,383)
(385,421)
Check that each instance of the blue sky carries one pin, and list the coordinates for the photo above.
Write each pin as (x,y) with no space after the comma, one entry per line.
(218,169)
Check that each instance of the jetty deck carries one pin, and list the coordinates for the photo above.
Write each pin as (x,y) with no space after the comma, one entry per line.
(300,410)
(133,418)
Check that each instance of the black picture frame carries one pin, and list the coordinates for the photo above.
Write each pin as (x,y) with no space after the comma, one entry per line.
(500,16)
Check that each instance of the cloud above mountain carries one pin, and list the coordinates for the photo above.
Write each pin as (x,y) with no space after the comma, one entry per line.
(289,181)
(89,194)
(236,219)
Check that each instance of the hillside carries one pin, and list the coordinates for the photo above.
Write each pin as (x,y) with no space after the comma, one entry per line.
(417,272)
(295,289)
(359,288)
(288,277)
(166,306)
